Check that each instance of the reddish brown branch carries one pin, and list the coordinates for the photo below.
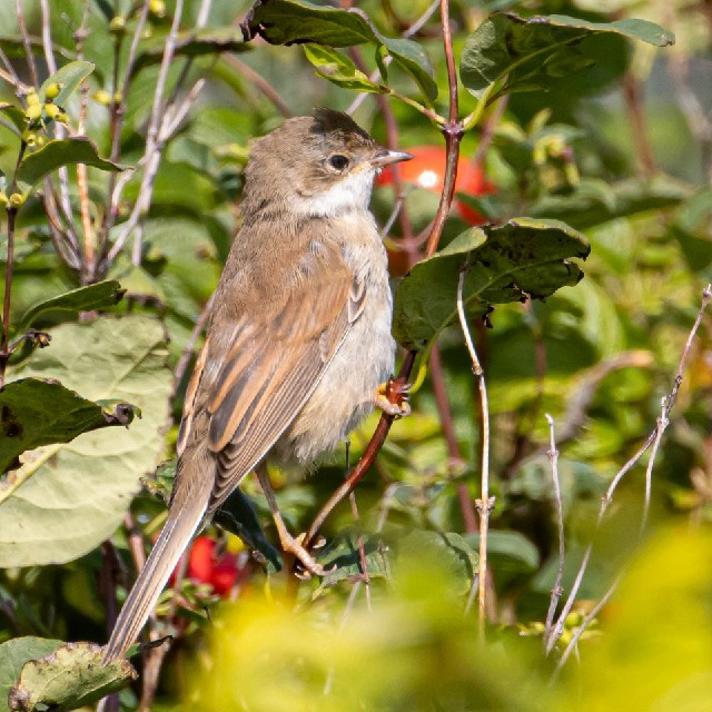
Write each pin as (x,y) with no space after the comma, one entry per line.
(453,131)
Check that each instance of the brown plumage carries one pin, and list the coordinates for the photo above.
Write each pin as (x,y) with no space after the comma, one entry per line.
(298,339)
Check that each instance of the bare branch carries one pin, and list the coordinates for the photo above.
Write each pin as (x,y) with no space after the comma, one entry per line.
(26,43)
(557,590)
(653,438)
(485,502)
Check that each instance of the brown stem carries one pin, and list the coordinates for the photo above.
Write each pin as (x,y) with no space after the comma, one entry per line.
(9,265)
(262,84)
(453,133)
(636,111)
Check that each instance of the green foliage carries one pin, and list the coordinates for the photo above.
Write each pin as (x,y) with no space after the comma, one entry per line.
(13,655)
(299,21)
(92,478)
(100,295)
(58,153)
(69,677)
(36,412)
(533,54)
(522,259)
(574,119)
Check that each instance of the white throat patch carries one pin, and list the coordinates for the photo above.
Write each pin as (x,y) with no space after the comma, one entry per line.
(350,193)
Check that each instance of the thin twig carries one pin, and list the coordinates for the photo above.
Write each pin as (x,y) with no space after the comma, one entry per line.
(652,438)
(557,590)
(9,264)
(152,154)
(255,78)
(26,43)
(585,623)
(484,503)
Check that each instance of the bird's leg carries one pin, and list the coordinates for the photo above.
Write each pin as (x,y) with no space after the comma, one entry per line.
(392,398)
(289,544)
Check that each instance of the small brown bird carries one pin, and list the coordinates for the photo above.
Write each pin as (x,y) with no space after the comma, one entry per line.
(299,338)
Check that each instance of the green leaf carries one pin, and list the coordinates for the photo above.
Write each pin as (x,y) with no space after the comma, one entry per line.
(510,552)
(595,202)
(534,52)
(343,556)
(75,494)
(285,22)
(14,654)
(69,77)
(36,412)
(195,43)
(507,263)
(448,548)
(100,295)
(72,676)
(62,152)
(339,69)
(15,114)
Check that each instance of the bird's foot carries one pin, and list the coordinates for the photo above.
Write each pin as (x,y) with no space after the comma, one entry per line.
(307,564)
(392,398)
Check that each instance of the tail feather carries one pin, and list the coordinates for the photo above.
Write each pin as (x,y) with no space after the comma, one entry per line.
(185,515)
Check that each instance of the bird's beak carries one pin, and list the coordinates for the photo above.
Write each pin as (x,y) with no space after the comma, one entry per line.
(384,157)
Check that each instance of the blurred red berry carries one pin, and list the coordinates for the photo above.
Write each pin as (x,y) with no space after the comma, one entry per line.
(206,566)
(427,171)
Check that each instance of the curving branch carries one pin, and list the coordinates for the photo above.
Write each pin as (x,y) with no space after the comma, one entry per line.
(453,131)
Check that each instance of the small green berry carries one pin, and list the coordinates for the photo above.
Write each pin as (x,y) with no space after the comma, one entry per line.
(102,97)
(33,98)
(33,112)
(117,24)
(52,110)
(16,200)
(53,90)
(157,8)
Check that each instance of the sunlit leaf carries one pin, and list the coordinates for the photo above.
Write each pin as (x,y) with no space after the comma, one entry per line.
(100,295)
(339,69)
(71,676)
(14,654)
(299,21)
(69,77)
(62,152)
(92,479)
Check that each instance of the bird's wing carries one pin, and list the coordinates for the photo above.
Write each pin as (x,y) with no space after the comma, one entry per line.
(272,364)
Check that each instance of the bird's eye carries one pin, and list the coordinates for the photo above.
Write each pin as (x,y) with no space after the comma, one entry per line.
(339,162)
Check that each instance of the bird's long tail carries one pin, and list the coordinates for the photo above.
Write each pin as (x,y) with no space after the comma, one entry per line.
(188,507)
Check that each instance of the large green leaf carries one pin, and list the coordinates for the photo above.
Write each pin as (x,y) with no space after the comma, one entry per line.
(74,495)
(100,295)
(299,21)
(14,654)
(35,412)
(535,52)
(507,263)
(62,152)
(72,676)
